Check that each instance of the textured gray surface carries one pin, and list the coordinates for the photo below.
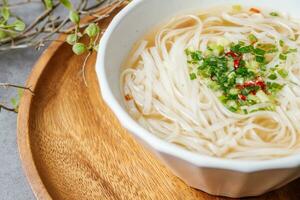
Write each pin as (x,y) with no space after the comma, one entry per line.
(14,68)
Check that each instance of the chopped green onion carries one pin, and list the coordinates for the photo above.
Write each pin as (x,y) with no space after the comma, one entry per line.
(193,76)
(260,59)
(196,55)
(272,76)
(223,98)
(292,50)
(252,38)
(283,73)
(232,109)
(237,81)
(246,49)
(281,43)
(232,97)
(259,51)
(282,56)
(274,14)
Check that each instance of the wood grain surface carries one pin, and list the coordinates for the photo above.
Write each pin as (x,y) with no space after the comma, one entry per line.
(73,148)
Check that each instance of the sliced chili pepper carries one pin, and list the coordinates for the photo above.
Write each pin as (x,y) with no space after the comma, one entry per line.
(242,97)
(237,62)
(236,58)
(258,82)
(128,97)
(232,54)
(255,10)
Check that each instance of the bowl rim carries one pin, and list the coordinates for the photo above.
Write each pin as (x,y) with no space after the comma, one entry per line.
(160,145)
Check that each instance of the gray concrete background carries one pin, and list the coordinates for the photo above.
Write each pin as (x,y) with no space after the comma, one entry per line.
(15,67)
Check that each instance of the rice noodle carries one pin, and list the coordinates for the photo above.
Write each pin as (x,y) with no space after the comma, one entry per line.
(187,113)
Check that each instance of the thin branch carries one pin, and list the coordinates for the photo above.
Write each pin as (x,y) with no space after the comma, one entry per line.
(7,108)
(13,5)
(41,17)
(45,28)
(7,85)
(94,6)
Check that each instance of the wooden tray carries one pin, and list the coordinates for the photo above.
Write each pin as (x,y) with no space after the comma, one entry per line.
(72,146)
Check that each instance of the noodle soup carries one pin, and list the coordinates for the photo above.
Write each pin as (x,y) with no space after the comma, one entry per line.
(223,83)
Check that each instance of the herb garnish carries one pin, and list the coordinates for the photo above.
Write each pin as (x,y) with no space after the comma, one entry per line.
(240,83)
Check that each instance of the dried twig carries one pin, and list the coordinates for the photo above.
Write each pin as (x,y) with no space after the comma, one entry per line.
(7,85)
(43,27)
(7,108)
(13,5)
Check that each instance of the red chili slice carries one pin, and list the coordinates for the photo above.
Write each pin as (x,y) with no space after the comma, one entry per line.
(232,54)
(128,97)
(258,82)
(242,97)
(261,84)
(236,58)
(255,10)
(236,63)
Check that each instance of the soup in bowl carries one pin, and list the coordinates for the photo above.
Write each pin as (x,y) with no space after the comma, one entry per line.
(211,87)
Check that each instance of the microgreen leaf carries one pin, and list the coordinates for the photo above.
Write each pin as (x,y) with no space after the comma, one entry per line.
(79,48)
(3,34)
(48,4)
(92,30)
(18,25)
(74,17)
(13,102)
(67,4)
(5,13)
(72,39)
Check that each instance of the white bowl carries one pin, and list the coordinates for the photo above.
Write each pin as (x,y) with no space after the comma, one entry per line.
(232,178)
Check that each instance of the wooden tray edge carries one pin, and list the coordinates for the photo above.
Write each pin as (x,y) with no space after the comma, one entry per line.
(27,160)
(23,140)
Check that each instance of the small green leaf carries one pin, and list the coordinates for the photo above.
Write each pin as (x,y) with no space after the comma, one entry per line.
(74,17)
(18,25)
(5,13)
(92,30)
(3,34)
(48,4)
(13,102)
(79,48)
(67,4)
(72,39)
(20,93)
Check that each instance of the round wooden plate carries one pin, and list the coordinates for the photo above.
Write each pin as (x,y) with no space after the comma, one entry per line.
(72,146)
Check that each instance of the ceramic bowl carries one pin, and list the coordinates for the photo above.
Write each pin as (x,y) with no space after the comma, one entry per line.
(217,176)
